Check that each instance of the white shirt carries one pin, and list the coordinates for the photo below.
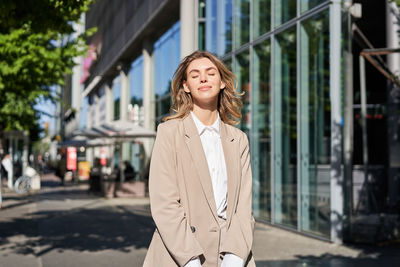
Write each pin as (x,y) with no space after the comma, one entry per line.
(212,146)
(211,141)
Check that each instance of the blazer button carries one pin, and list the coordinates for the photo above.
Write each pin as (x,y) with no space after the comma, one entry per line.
(193,229)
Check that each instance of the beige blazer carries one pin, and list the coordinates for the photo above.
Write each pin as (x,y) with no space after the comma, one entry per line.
(182,199)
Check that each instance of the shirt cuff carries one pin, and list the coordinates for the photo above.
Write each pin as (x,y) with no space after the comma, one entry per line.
(231,260)
(193,263)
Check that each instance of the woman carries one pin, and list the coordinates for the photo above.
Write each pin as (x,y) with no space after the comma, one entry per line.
(200,175)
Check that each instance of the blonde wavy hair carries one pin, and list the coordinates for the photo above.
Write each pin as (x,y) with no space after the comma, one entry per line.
(229,100)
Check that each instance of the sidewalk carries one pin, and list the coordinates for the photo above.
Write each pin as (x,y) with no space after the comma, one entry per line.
(65,226)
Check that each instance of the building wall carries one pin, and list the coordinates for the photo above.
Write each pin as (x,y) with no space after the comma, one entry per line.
(123,26)
(287,56)
(280,55)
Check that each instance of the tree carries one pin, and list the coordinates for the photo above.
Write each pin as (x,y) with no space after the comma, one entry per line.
(36,51)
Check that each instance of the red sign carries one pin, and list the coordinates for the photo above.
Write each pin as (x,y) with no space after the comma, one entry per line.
(103,156)
(71,158)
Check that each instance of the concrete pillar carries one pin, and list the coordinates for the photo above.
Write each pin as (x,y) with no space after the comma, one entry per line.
(188,18)
(148,94)
(337,181)
(77,71)
(393,118)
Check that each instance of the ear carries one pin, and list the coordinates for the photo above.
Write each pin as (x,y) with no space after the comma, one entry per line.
(223,85)
(185,87)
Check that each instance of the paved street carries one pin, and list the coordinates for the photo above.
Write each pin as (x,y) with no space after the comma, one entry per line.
(66,226)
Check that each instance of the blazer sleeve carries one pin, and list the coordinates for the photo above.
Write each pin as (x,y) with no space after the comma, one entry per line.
(239,236)
(167,212)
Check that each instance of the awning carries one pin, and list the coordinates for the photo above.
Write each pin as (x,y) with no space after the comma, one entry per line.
(128,130)
(116,130)
(78,141)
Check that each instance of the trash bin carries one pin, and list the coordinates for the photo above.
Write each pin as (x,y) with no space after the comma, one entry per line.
(108,186)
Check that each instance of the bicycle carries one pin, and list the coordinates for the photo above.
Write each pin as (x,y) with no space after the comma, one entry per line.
(24,183)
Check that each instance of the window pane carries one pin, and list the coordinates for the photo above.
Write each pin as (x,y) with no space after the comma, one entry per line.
(117,95)
(211,26)
(285,130)
(261,17)
(136,91)
(315,125)
(284,10)
(242,74)
(242,22)
(228,63)
(166,60)
(202,34)
(224,27)
(261,131)
(308,4)
(83,116)
(202,8)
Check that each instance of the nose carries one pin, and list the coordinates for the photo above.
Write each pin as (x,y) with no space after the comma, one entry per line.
(203,77)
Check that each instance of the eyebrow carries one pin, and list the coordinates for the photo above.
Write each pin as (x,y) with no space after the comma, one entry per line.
(196,70)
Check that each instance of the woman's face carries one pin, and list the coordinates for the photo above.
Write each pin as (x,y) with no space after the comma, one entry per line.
(203,82)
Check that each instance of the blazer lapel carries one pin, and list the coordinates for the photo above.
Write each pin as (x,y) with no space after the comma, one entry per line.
(199,159)
(229,145)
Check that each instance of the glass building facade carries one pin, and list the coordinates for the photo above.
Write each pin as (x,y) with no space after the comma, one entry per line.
(135,107)
(116,91)
(166,60)
(280,51)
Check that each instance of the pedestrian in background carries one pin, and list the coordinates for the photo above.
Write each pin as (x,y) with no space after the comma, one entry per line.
(6,171)
(200,180)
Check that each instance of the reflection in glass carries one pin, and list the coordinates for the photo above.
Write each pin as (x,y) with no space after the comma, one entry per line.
(308,4)
(242,22)
(211,26)
(228,63)
(202,25)
(224,27)
(261,131)
(117,95)
(261,17)
(242,74)
(315,125)
(202,34)
(284,10)
(285,129)
(83,116)
(166,60)
(136,91)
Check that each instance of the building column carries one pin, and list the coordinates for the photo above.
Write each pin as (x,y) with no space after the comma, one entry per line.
(188,19)
(337,181)
(393,100)
(148,94)
(124,102)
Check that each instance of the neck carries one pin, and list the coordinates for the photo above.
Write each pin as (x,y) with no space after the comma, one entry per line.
(206,116)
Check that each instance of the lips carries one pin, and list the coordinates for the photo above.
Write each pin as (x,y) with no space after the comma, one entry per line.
(204,88)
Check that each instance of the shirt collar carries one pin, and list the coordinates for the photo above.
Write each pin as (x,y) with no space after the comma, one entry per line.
(201,127)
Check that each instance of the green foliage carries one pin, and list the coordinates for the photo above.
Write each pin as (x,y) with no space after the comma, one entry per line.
(36,51)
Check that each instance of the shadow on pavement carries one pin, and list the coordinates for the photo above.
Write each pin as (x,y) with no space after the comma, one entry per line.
(80,230)
(371,256)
